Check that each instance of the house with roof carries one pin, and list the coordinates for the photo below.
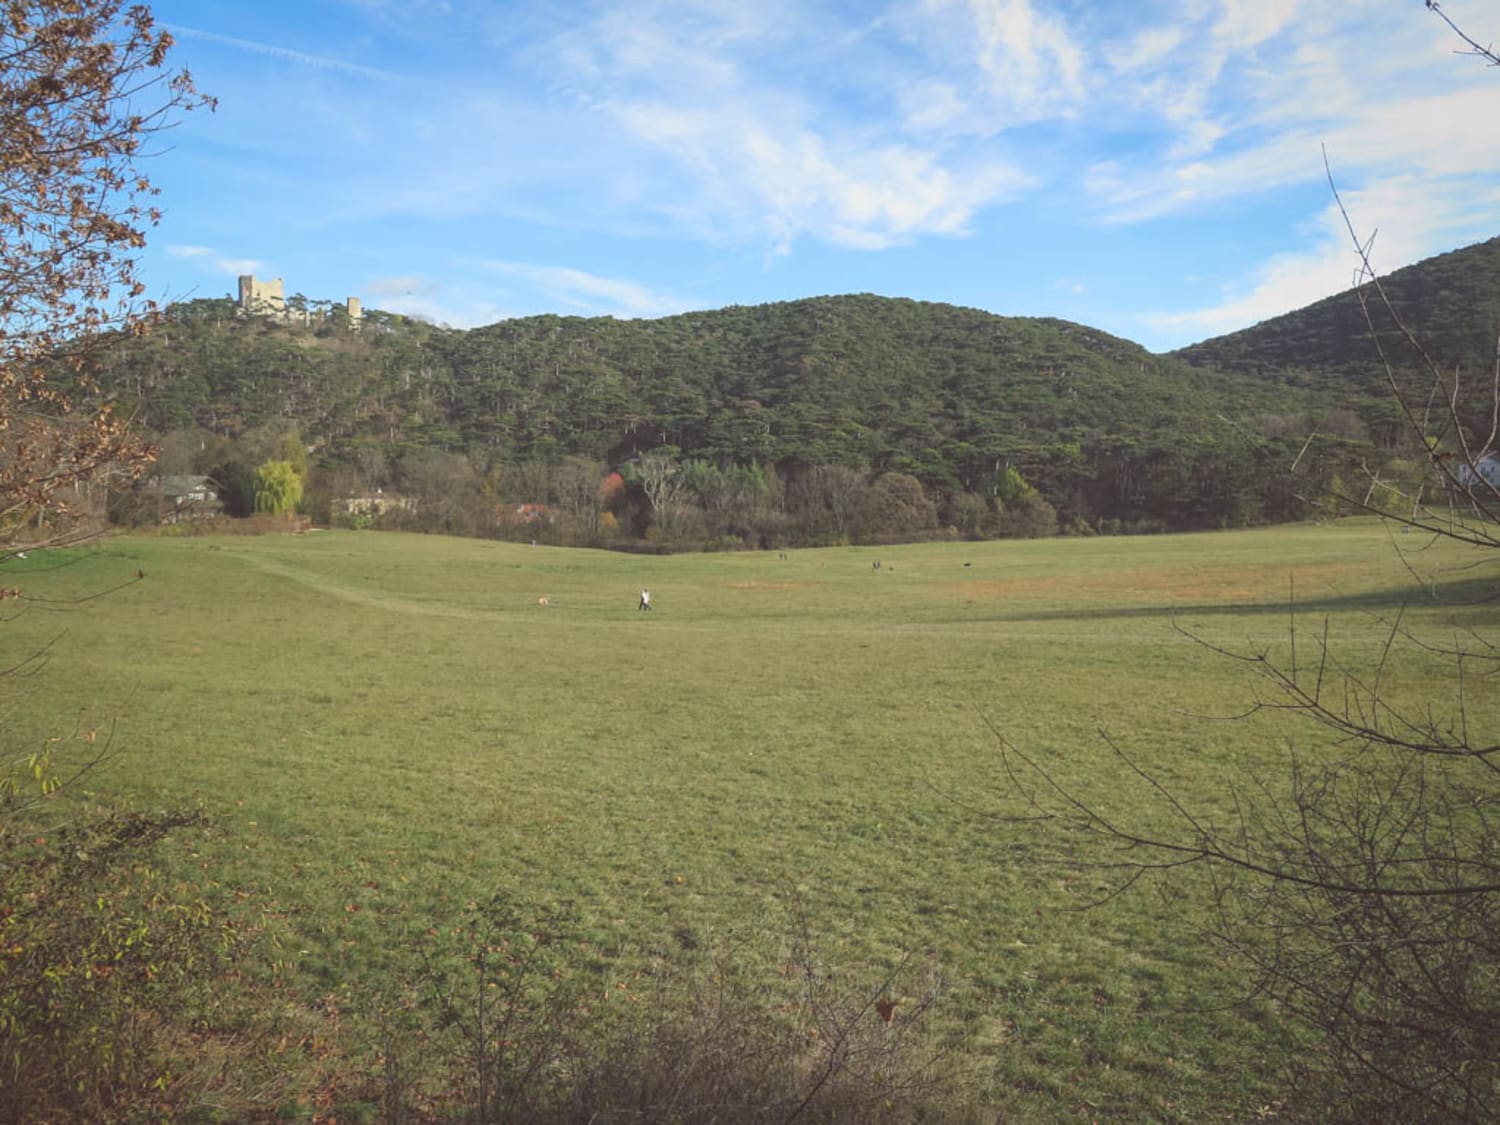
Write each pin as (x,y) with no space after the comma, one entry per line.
(1483,476)
(182,498)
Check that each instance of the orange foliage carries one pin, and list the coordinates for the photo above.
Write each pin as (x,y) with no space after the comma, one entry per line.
(611,490)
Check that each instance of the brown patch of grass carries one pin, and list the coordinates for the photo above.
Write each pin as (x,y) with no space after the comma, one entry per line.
(1229,584)
(773,586)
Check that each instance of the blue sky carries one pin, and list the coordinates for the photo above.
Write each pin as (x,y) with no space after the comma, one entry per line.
(1152,169)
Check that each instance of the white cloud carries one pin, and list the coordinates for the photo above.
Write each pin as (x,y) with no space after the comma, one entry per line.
(759,148)
(1146,48)
(1430,136)
(214,262)
(984,66)
(1244,24)
(1253,93)
(452,304)
(1408,220)
(237,266)
(591,293)
(287,54)
(931,105)
(791,181)
(1026,56)
(779,122)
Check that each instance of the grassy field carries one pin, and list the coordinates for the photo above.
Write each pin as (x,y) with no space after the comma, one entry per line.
(384,727)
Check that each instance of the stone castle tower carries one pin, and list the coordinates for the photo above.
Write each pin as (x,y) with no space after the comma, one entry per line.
(262,298)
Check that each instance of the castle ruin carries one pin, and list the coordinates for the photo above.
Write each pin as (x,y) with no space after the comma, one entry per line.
(268,298)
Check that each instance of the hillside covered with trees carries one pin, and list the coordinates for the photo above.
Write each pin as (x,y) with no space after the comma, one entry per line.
(1450,303)
(823,420)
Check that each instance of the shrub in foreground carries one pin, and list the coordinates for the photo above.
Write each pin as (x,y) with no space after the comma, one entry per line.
(509,1021)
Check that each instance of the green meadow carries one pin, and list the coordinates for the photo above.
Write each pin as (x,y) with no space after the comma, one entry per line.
(383,728)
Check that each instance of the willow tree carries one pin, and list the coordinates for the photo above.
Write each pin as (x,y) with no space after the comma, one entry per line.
(278,488)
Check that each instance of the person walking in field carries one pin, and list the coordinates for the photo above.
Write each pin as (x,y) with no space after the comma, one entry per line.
(645,599)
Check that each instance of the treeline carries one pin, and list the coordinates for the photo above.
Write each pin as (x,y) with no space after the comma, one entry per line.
(663,501)
(831,419)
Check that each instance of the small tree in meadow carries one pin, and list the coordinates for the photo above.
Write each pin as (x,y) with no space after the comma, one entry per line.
(278,488)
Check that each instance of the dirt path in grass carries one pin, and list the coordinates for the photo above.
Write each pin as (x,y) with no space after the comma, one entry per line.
(376,599)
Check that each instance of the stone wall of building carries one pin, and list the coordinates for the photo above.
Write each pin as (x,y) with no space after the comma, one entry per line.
(262,298)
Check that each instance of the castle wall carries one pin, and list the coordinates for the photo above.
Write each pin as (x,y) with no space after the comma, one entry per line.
(262,298)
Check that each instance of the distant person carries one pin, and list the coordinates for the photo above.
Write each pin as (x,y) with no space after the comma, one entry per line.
(645,600)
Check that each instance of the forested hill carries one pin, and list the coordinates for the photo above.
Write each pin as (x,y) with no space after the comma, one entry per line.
(931,389)
(1450,302)
(960,400)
